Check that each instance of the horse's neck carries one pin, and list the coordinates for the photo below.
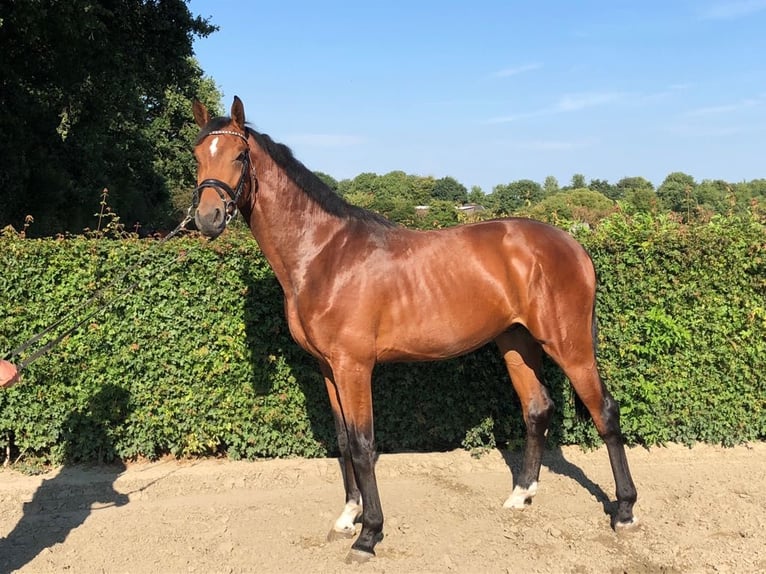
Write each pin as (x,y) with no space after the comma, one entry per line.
(291,229)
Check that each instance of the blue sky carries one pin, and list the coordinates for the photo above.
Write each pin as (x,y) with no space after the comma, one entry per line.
(492,91)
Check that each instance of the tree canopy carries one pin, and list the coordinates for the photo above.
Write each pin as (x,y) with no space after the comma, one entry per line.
(83,87)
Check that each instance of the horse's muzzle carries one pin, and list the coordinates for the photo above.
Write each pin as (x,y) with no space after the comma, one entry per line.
(211,221)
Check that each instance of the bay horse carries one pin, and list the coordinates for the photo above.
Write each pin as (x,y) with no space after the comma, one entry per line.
(359,290)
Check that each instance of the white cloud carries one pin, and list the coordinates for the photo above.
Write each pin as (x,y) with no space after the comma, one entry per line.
(507,72)
(698,131)
(574,102)
(553,145)
(725,108)
(566,103)
(516,117)
(731,10)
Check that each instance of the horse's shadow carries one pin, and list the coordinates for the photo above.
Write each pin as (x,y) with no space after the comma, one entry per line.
(555,461)
(62,503)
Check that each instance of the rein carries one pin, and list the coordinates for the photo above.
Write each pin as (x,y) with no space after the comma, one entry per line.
(98,296)
(222,188)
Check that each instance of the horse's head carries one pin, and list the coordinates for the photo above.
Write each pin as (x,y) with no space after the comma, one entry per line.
(224,175)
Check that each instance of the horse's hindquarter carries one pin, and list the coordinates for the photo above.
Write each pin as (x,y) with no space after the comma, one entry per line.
(430,295)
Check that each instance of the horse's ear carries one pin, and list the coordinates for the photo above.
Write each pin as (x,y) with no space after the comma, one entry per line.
(238,112)
(200,113)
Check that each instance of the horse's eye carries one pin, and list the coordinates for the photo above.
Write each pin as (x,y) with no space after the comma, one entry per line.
(242,156)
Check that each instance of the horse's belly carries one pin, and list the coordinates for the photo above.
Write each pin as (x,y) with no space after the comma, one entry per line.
(433,335)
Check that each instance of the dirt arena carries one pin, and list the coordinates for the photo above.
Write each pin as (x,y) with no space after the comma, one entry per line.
(701,510)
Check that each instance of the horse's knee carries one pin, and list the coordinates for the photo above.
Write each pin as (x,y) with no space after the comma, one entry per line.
(539,413)
(361,445)
(343,444)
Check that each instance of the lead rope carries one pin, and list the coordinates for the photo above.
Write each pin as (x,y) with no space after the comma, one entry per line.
(98,296)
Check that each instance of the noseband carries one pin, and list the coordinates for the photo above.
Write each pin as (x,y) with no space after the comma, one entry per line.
(222,188)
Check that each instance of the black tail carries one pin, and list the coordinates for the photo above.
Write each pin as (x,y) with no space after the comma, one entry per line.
(581,410)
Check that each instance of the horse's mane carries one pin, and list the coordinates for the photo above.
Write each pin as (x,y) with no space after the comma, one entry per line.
(303,177)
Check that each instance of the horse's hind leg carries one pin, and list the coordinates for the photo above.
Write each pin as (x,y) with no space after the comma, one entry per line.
(579,365)
(522,356)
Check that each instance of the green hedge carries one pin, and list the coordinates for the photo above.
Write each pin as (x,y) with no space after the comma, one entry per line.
(198,360)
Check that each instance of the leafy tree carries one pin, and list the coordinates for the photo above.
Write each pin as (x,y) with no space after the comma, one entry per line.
(397,209)
(750,193)
(582,205)
(329,180)
(506,199)
(578,182)
(394,194)
(441,213)
(551,185)
(714,195)
(174,135)
(629,184)
(757,188)
(677,191)
(358,197)
(397,186)
(79,82)
(449,189)
(638,193)
(476,195)
(641,200)
(422,188)
(604,187)
(363,184)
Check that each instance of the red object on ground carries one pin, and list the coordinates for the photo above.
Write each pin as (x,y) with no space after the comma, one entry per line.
(9,374)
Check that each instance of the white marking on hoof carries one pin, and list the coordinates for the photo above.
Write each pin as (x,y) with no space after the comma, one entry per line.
(358,556)
(519,497)
(344,525)
(626,526)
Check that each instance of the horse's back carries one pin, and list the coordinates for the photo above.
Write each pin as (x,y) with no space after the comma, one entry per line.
(528,254)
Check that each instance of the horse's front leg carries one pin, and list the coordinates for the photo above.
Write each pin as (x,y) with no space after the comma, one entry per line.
(344,526)
(350,391)
(363,456)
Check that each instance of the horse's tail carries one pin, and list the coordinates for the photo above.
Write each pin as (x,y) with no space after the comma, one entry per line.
(581,411)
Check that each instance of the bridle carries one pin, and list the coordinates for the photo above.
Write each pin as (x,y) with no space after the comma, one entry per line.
(222,188)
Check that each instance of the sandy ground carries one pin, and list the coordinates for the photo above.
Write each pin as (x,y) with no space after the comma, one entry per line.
(701,510)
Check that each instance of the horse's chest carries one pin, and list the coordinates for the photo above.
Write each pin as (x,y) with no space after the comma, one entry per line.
(294,323)
(299,330)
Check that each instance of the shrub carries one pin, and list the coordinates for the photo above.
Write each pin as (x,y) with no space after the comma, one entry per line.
(198,360)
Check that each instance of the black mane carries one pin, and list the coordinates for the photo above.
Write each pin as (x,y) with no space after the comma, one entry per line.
(303,177)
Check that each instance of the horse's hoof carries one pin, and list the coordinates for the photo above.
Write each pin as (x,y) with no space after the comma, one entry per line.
(521,497)
(358,556)
(627,526)
(334,535)
(517,502)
